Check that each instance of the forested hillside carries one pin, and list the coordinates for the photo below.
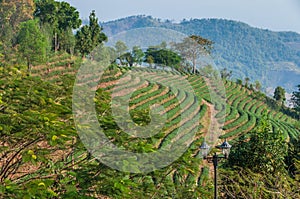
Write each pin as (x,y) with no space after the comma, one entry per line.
(271,57)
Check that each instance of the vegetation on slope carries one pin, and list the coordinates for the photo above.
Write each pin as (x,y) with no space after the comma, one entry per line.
(42,155)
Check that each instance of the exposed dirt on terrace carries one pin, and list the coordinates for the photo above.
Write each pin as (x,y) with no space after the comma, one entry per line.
(241,105)
(169,107)
(180,134)
(164,92)
(127,91)
(154,88)
(124,86)
(182,110)
(237,126)
(229,121)
(249,104)
(110,83)
(68,64)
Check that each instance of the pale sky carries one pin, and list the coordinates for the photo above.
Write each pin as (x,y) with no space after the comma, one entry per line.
(274,15)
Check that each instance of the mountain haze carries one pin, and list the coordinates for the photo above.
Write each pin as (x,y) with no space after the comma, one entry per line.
(273,58)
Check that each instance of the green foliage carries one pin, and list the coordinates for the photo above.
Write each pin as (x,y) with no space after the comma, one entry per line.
(120,47)
(37,123)
(257,85)
(31,109)
(239,81)
(163,57)
(84,41)
(89,36)
(34,127)
(293,159)
(241,183)
(265,152)
(1,52)
(67,41)
(150,60)
(261,165)
(62,17)
(12,14)
(41,155)
(279,95)
(127,58)
(32,43)
(137,54)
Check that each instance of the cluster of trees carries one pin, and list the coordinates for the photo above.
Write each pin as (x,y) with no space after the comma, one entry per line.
(262,165)
(32,30)
(256,86)
(12,14)
(184,56)
(158,55)
(89,36)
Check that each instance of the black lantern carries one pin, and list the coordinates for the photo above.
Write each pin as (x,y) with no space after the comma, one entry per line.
(225,146)
(204,148)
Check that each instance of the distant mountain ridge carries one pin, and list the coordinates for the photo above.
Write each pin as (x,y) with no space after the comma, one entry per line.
(273,58)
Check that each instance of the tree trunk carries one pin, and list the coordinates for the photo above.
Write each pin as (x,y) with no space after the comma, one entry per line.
(56,46)
(28,65)
(194,66)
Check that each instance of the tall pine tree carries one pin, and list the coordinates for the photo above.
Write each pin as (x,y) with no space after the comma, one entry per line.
(90,36)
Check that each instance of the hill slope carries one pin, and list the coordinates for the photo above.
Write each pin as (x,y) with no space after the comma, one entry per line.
(146,87)
(273,58)
(50,161)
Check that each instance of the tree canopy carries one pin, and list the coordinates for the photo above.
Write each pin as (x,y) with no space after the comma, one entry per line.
(279,95)
(89,36)
(192,48)
(265,152)
(61,16)
(137,54)
(163,57)
(262,165)
(12,14)
(32,43)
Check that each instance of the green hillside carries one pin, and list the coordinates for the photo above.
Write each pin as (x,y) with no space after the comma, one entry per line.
(80,119)
(244,107)
(264,55)
(46,120)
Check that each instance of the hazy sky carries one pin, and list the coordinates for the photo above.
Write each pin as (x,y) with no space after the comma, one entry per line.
(269,14)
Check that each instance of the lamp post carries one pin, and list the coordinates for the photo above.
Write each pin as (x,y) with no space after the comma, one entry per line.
(204,148)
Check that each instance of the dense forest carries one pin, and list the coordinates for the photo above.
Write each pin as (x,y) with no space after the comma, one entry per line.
(49,70)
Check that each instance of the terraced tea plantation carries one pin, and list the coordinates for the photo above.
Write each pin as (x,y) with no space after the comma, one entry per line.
(183,111)
(243,108)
